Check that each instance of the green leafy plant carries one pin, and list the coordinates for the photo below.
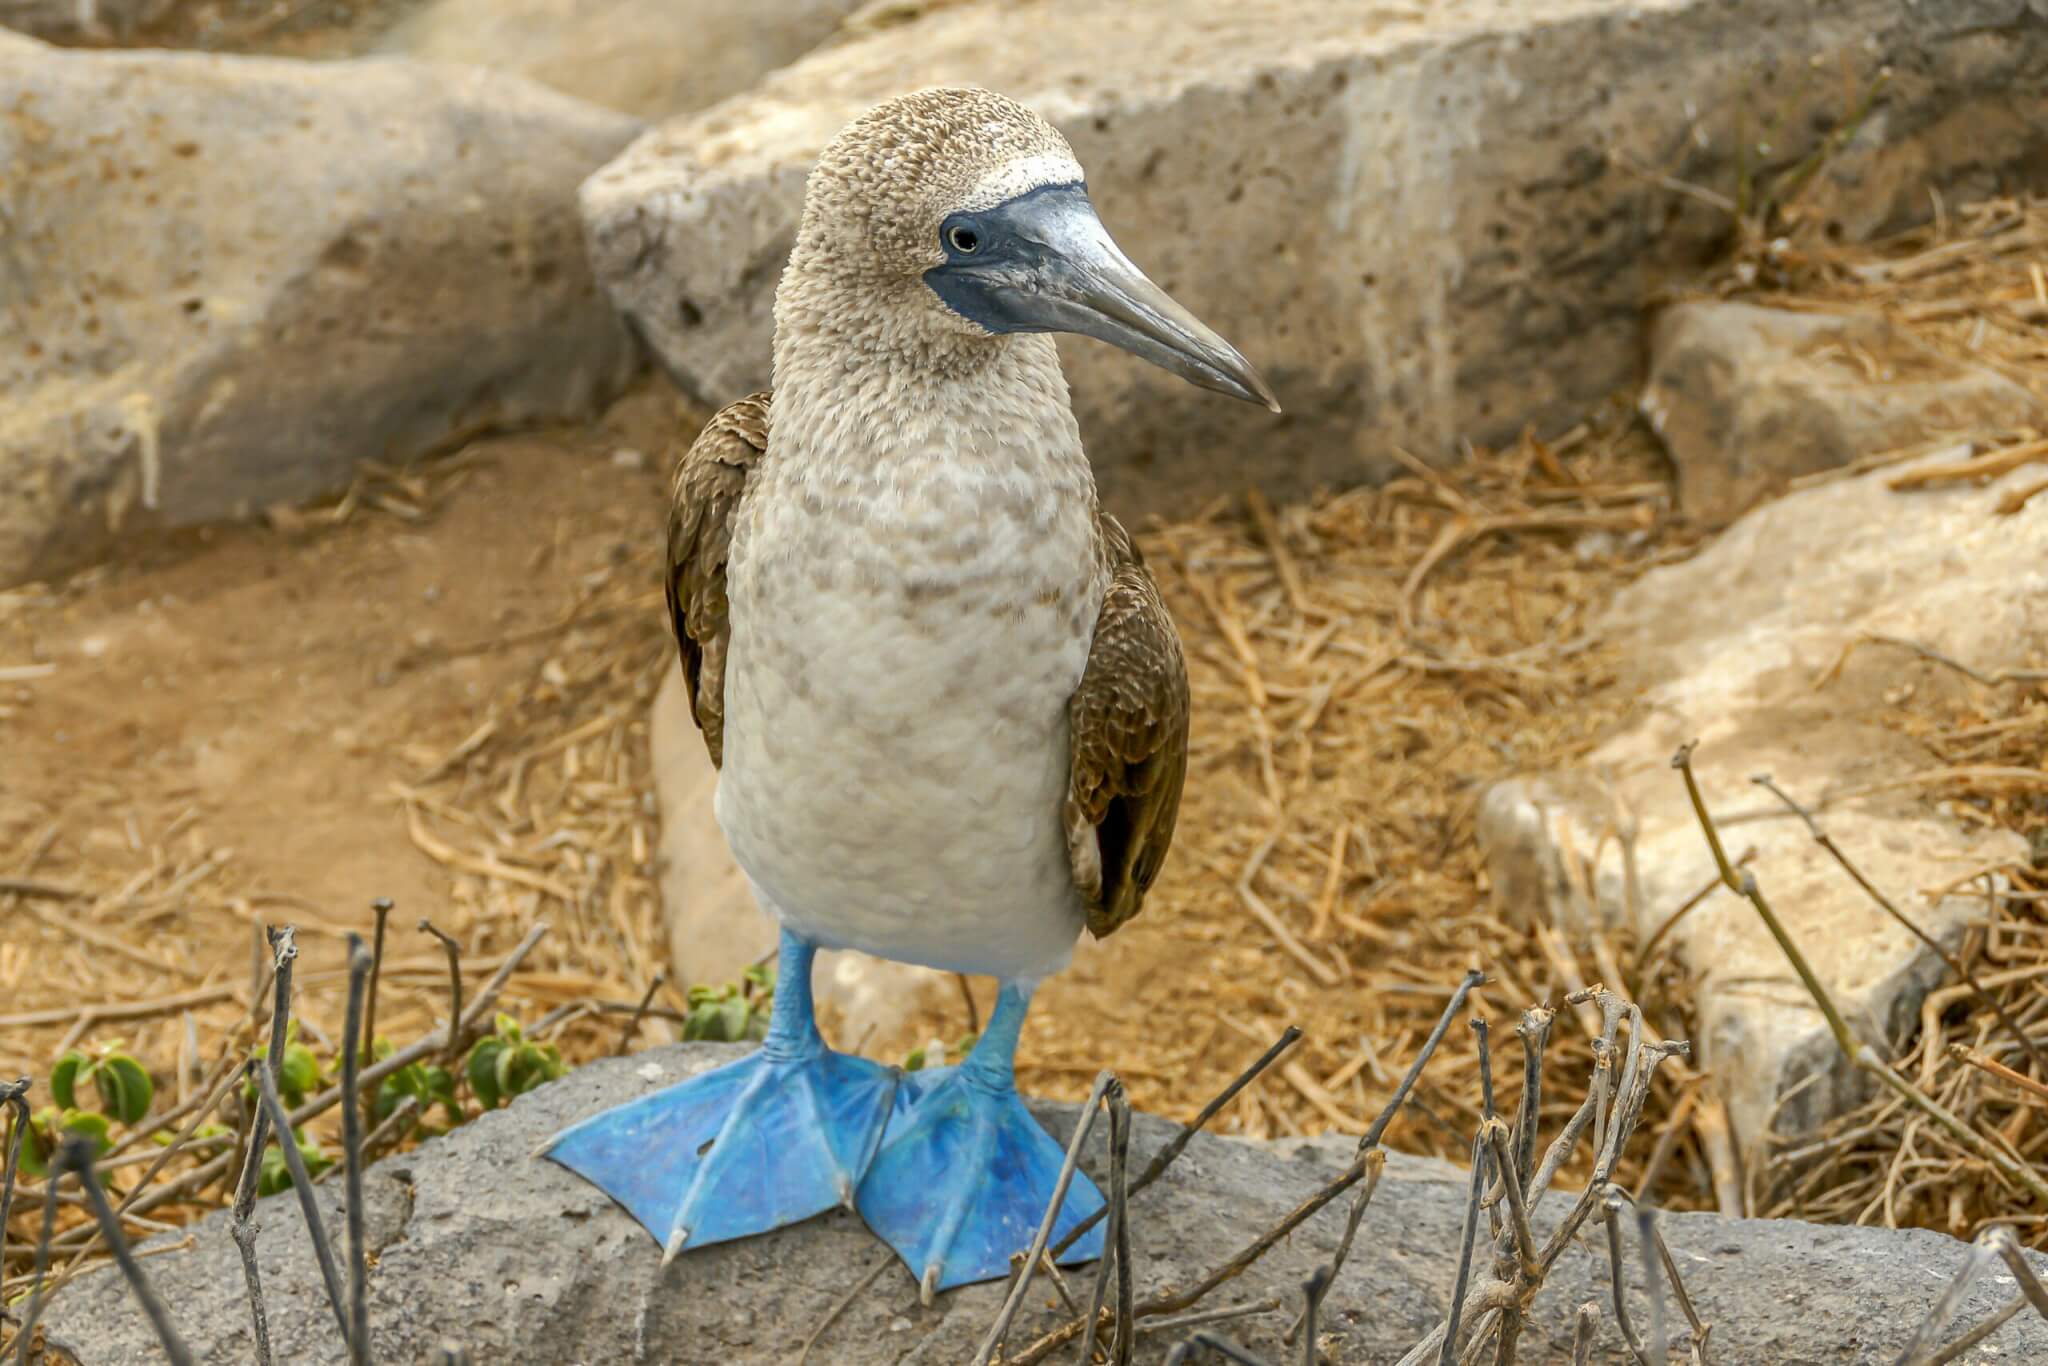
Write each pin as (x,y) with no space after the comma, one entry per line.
(733,1013)
(426,1085)
(50,1127)
(299,1075)
(507,1064)
(273,1175)
(122,1083)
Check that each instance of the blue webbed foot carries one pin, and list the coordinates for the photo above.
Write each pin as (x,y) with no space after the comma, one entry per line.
(766,1140)
(965,1173)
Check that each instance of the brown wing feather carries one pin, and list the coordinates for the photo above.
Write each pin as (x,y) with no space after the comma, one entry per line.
(1129,721)
(709,480)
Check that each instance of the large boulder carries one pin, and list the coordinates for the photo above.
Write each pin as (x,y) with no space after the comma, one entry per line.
(225,280)
(1730,648)
(1747,398)
(647,57)
(1422,222)
(478,1244)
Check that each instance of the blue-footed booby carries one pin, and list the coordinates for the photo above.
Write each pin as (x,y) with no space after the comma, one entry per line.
(949,709)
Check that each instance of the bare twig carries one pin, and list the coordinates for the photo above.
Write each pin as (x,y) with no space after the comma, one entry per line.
(1370,1140)
(244,1225)
(454,952)
(632,1028)
(1861,1055)
(27,1334)
(1447,1354)
(352,1150)
(381,908)
(13,1096)
(844,1303)
(991,1344)
(1660,1341)
(1164,1158)
(1312,1291)
(1117,1244)
(1997,1069)
(1920,1349)
(1620,1286)
(2001,1241)
(1178,1301)
(1884,903)
(1359,1203)
(1585,1330)
(295,1163)
(1473,980)
(120,1010)
(77,1157)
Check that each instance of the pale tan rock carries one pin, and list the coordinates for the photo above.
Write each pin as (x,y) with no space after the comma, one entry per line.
(647,57)
(80,20)
(1410,216)
(1728,648)
(714,927)
(1746,398)
(225,280)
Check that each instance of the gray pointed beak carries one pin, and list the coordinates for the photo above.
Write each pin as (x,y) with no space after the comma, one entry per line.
(1051,266)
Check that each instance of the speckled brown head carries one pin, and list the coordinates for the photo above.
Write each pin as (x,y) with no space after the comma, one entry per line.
(962,214)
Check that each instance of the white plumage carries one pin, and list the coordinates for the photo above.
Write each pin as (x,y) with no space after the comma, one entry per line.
(914,579)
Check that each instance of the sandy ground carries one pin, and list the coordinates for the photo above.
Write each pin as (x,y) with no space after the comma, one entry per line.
(253,693)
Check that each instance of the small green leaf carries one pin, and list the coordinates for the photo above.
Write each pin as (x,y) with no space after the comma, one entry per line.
(64,1077)
(86,1124)
(733,1019)
(41,1141)
(506,1029)
(914,1060)
(274,1174)
(440,1086)
(483,1071)
(300,1074)
(124,1087)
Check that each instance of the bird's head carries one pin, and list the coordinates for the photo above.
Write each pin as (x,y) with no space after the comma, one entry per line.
(961,214)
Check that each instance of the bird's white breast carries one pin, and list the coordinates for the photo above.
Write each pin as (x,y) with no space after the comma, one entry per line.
(913,597)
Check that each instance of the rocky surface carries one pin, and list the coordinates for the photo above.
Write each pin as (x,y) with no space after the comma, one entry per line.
(75,20)
(647,57)
(226,280)
(478,1243)
(1422,222)
(714,926)
(1731,648)
(1746,398)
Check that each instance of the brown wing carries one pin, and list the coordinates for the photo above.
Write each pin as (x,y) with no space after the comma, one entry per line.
(709,480)
(1129,721)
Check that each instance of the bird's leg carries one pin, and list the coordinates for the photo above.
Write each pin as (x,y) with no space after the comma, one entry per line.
(777,1136)
(965,1173)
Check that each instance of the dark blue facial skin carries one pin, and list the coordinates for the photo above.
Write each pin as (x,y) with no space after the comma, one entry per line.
(995,259)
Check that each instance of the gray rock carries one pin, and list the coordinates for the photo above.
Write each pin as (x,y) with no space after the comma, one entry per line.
(1728,648)
(1408,216)
(225,280)
(1746,398)
(80,20)
(480,1244)
(715,928)
(647,57)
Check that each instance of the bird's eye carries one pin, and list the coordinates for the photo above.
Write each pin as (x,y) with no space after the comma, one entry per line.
(964,239)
